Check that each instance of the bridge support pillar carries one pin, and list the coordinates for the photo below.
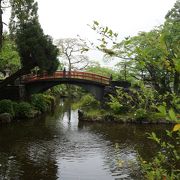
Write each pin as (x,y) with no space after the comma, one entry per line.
(96,91)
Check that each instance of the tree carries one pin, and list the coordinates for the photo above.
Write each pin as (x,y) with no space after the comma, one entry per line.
(104,71)
(9,57)
(35,48)
(171,35)
(71,50)
(154,55)
(151,55)
(158,53)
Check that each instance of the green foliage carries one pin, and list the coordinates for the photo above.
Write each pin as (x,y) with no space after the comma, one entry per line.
(172,115)
(168,101)
(41,102)
(105,34)
(115,106)
(142,100)
(35,48)
(6,106)
(174,102)
(152,57)
(18,110)
(58,90)
(125,70)
(168,114)
(9,57)
(162,110)
(87,101)
(141,114)
(94,113)
(50,100)
(22,12)
(103,71)
(130,100)
(15,108)
(165,164)
(23,110)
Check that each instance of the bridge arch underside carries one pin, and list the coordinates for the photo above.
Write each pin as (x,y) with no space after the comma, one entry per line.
(95,88)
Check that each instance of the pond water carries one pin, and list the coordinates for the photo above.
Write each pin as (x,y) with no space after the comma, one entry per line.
(59,147)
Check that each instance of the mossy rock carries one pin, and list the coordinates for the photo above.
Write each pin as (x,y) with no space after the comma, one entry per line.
(5,118)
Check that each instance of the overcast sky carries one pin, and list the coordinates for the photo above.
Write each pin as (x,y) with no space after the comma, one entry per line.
(69,18)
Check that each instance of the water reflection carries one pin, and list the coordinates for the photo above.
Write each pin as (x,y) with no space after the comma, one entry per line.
(59,147)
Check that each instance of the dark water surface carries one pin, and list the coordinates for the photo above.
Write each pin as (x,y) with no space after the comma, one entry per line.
(59,147)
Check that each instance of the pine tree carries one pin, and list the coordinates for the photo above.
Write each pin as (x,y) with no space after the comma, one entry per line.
(35,48)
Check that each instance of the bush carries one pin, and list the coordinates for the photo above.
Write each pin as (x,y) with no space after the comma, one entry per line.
(49,99)
(6,106)
(58,90)
(115,106)
(24,110)
(129,100)
(165,164)
(140,114)
(42,102)
(87,101)
(120,103)
(15,108)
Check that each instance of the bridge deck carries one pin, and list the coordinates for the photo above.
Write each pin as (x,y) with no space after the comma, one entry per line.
(69,75)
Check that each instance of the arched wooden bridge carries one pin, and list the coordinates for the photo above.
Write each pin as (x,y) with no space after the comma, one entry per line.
(92,82)
(73,75)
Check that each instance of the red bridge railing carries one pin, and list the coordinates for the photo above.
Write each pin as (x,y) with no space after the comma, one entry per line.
(67,74)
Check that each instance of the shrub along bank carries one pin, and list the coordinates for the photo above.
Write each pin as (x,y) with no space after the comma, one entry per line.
(38,104)
(141,105)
